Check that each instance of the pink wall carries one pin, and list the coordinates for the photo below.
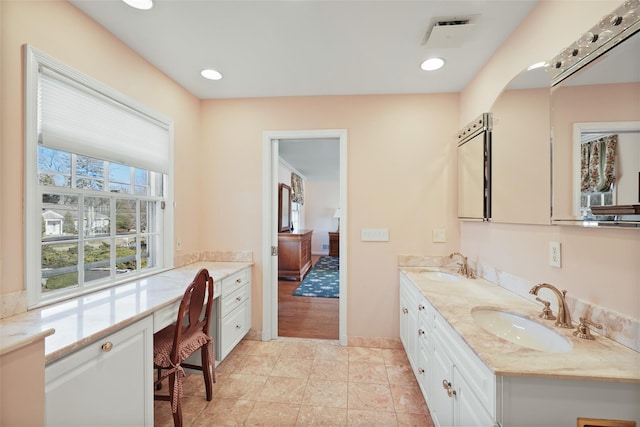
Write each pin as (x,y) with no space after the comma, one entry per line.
(400,176)
(62,31)
(600,266)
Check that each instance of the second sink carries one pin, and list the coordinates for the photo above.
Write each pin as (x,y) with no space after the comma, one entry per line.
(520,330)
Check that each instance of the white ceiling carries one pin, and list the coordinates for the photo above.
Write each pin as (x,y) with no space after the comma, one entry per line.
(270,48)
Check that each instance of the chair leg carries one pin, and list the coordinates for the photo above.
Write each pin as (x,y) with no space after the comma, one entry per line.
(207,370)
(177,416)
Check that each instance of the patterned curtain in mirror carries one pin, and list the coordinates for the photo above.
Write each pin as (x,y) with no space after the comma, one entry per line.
(597,164)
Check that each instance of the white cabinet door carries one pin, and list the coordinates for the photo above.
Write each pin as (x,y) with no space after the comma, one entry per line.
(440,403)
(107,383)
(409,323)
(469,411)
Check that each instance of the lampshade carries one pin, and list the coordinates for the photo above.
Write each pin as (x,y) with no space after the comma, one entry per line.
(336,214)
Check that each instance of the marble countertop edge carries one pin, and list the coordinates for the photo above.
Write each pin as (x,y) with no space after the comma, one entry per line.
(17,344)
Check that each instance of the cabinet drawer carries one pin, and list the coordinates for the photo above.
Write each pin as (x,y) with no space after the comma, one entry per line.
(235,281)
(235,299)
(165,316)
(234,327)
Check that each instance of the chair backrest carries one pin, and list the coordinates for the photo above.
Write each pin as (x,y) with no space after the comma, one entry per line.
(191,316)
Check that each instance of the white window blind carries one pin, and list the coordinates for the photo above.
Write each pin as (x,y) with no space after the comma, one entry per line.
(75,118)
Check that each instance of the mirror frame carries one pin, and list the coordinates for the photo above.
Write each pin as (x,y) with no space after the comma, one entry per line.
(284,208)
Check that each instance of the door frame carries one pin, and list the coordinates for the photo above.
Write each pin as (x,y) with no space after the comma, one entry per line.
(269,226)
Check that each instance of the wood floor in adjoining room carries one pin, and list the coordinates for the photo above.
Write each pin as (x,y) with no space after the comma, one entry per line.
(306,317)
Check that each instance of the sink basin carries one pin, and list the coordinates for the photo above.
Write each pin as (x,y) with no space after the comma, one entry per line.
(441,276)
(520,330)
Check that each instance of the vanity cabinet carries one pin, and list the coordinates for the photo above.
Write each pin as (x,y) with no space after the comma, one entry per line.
(233,317)
(109,381)
(461,390)
(294,254)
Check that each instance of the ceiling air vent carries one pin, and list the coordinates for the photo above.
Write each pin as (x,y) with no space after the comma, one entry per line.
(448,32)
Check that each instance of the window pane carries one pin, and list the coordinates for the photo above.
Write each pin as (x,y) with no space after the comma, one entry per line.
(125,255)
(147,258)
(59,216)
(140,190)
(147,215)
(142,177)
(59,265)
(97,256)
(90,173)
(50,160)
(97,213)
(116,187)
(119,173)
(125,216)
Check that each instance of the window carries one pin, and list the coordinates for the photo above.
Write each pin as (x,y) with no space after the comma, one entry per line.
(97,185)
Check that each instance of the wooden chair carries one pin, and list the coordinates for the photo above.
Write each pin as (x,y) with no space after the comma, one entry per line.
(175,343)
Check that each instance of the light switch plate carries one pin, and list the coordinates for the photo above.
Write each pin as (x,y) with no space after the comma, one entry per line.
(439,235)
(555,258)
(374,235)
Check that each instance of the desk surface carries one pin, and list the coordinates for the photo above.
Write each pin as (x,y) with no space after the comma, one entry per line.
(73,323)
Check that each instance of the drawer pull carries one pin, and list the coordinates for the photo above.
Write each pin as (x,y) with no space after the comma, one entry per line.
(106,347)
(447,386)
(238,299)
(421,307)
(238,326)
(238,281)
(420,371)
(404,310)
(420,332)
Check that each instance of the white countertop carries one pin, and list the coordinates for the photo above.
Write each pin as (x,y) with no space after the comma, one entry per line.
(76,322)
(601,359)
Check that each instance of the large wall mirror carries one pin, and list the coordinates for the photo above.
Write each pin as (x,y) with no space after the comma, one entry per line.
(284,208)
(595,122)
(520,166)
(474,170)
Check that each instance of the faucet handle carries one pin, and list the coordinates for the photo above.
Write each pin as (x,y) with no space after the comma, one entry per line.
(546,311)
(583,331)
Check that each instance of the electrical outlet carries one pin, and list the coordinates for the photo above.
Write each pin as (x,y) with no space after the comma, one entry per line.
(555,257)
(439,235)
(374,235)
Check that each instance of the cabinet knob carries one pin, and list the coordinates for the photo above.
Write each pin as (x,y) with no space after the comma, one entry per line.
(238,280)
(106,347)
(447,386)
(421,307)
(420,332)
(420,371)
(404,310)
(238,326)
(238,299)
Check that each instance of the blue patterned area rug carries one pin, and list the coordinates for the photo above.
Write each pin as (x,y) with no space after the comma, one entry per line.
(323,280)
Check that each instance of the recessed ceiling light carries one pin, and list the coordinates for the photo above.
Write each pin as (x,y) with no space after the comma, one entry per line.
(140,4)
(432,64)
(211,74)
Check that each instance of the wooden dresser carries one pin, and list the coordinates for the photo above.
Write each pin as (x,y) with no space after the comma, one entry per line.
(334,243)
(294,254)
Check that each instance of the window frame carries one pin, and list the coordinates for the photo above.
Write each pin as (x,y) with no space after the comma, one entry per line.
(34,59)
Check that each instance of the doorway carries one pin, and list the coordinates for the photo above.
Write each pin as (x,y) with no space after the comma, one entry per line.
(271,142)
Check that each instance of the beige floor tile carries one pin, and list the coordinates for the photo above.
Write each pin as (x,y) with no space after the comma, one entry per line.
(363,372)
(266,348)
(292,368)
(326,393)
(366,355)
(330,370)
(408,400)
(357,417)
(416,420)
(256,365)
(286,390)
(371,397)
(394,357)
(239,386)
(273,414)
(331,352)
(243,347)
(299,349)
(227,412)
(401,375)
(231,362)
(321,416)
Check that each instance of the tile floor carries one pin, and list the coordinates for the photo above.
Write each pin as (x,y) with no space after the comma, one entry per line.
(299,382)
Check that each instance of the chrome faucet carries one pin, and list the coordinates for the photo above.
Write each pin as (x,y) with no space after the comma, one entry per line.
(464,269)
(564,316)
